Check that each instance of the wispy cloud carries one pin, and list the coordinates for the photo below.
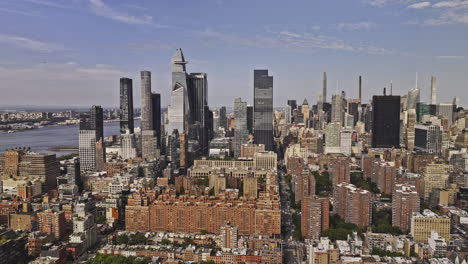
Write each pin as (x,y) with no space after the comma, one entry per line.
(450,57)
(46,3)
(419,5)
(450,4)
(147,46)
(27,43)
(101,9)
(355,26)
(288,40)
(85,84)
(19,12)
(381,3)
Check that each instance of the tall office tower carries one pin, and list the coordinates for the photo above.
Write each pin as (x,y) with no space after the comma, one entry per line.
(405,202)
(428,138)
(146,107)
(413,96)
(156,115)
(386,121)
(410,124)
(332,138)
(293,105)
(91,132)
(287,114)
(360,88)
(315,216)
(352,204)
(126,105)
(223,118)
(241,133)
(324,92)
(148,135)
(128,146)
(338,107)
(446,110)
(250,119)
(433,90)
(263,109)
(346,142)
(179,110)
(354,109)
(305,110)
(198,104)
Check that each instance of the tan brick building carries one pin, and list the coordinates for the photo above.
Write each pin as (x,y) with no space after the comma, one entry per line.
(195,214)
(405,202)
(315,216)
(354,205)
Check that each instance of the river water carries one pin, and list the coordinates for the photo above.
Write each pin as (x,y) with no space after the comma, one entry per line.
(42,139)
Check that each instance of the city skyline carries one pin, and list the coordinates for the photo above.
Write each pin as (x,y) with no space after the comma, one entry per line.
(40,51)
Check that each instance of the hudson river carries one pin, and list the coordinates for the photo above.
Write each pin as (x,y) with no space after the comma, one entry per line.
(42,139)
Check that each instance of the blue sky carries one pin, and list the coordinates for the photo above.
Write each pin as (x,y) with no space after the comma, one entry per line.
(73,52)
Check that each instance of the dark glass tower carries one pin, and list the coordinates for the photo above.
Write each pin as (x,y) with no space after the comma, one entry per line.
(198,103)
(156,108)
(263,108)
(222,117)
(250,119)
(293,105)
(386,121)
(126,105)
(91,132)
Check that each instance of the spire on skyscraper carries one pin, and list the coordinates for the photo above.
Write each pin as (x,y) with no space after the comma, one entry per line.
(178,61)
(324,92)
(433,90)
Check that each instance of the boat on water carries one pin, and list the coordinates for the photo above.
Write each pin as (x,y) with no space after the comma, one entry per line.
(11,131)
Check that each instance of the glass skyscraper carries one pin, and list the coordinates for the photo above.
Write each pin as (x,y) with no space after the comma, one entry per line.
(91,132)
(386,121)
(126,106)
(263,108)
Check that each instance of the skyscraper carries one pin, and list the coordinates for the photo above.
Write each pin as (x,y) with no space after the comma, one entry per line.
(263,108)
(324,92)
(241,132)
(148,135)
(126,105)
(156,114)
(413,98)
(179,111)
(222,117)
(293,105)
(198,102)
(433,90)
(250,119)
(332,137)
(146,111)
(386,121)
(91,132)
(338,107)
(360,88)
(428,138)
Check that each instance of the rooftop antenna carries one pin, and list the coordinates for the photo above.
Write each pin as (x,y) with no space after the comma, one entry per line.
(416,80)
(391,87)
